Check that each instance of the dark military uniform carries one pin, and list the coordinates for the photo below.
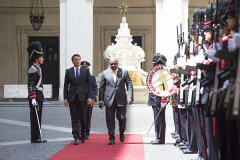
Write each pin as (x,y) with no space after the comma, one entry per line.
(35,91)
(155,102)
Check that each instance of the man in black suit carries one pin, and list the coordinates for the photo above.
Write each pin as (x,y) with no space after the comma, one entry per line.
(78,93)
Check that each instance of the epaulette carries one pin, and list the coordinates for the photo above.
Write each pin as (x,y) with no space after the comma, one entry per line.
(32,69)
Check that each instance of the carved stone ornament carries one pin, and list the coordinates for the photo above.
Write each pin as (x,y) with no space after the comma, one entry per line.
(129,56)
(21,91)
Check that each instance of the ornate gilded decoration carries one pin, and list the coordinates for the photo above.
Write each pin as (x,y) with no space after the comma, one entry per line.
(123,8)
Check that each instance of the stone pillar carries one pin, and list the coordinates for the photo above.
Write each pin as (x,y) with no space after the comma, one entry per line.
(169,14)
(89,33)
(63,45)
(76,34)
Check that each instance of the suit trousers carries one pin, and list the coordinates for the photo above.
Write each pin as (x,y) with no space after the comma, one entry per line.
(160,124)
(35,133)
(78,112)
(110,119)
(88,120)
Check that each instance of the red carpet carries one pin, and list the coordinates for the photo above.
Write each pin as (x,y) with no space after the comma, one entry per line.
(97,148)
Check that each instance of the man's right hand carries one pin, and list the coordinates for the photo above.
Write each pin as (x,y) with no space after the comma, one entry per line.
(101,104)
(66,102)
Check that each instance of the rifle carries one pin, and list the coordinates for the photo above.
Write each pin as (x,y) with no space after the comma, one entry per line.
(211,110)
(181,51)
(233,111)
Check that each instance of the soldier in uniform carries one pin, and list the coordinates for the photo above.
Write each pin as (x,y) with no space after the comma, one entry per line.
(158,103)
(35,90)
(89,107)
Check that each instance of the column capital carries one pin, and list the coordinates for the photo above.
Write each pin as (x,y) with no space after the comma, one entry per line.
(89,1)
(159,1)
(62,1)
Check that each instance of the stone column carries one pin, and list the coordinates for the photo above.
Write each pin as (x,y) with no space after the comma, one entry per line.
(169,14)
(76,34)
(89,33)
(63,45)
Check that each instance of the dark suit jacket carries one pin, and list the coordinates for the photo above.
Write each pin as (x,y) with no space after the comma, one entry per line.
(109,90)
(71,86)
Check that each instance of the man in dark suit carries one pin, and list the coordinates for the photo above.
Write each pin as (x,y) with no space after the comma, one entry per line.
(78,93)
(113,82)
(89,107)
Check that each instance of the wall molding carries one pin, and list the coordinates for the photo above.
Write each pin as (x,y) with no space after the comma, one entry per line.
(23,32)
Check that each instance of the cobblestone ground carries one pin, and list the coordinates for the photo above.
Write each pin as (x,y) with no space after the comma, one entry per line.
(56,128)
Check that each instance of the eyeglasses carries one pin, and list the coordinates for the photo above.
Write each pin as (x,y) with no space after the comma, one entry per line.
(113,64)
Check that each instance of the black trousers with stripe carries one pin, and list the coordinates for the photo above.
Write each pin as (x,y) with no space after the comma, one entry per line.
(160,124)
(35,133)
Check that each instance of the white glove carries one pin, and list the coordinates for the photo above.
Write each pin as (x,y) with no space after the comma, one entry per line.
(34,103)
(199,58)
(231,45)
(211,54)
(225,84)
(237,39)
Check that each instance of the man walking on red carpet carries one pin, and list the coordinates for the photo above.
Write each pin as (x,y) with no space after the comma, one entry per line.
(112,94)
(78,93)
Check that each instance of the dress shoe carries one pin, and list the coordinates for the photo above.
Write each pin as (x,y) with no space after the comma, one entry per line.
(176,136)
(79,137)
(38,141)
(111,142)
(174,133)
(181,144)
(122,137)
(87,135)
(83,137)
(187,151)
(183,147)
(156,142)
(178,140)
(76,141)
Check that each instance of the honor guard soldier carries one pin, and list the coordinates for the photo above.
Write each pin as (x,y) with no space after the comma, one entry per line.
(89,107)
(158,103)
(35,91)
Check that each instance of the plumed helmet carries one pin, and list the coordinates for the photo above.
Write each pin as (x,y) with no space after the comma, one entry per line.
(223,6)
(232,9)
(198,14)
(157,59)
(34,50)
(208,17)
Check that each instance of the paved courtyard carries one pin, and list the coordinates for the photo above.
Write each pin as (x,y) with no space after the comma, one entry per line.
(56,128)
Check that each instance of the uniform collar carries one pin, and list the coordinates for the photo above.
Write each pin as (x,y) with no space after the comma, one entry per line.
(38,67)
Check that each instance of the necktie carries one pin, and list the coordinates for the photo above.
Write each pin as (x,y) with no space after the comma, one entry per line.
(77,75)
(114,76)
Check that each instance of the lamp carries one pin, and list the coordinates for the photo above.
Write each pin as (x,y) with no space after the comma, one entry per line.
(36,18)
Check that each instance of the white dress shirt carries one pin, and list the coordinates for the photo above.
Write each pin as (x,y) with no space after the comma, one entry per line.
(75,69)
